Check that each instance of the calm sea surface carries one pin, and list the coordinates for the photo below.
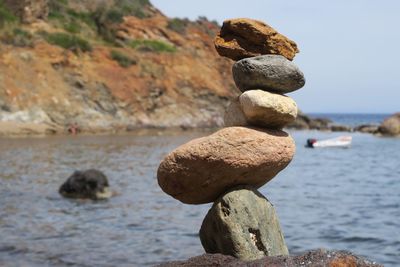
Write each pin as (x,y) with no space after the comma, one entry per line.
(352,119)
(345,199)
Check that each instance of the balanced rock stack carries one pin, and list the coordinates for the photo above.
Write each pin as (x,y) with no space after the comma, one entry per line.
(229,166)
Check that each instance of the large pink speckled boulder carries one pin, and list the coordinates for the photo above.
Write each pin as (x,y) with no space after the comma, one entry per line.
(200,171)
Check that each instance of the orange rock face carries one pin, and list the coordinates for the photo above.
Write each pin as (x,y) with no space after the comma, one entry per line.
(186,88)
(242,38)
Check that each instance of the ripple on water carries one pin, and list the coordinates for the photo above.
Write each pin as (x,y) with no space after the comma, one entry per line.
(331,198)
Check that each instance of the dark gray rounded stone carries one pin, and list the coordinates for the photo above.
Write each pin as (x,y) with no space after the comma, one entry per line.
(273,73)
(89,184)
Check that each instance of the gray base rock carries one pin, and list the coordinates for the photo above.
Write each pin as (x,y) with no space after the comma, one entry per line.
(273,73)
(243,224)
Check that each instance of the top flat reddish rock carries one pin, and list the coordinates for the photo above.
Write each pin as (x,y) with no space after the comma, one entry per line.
(243,38)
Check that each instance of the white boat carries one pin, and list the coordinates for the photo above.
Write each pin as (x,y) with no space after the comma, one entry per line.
(341,141)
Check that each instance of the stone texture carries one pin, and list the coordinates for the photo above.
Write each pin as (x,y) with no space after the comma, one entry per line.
(234,115)
(203,169)
(314,258)
(243,224)
(241,38)
(391,126)
(89,184)
(269,110)
(270,73)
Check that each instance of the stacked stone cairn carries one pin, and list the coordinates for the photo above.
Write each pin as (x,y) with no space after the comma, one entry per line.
(228,167)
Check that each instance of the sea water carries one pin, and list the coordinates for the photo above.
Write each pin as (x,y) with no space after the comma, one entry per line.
(342,199)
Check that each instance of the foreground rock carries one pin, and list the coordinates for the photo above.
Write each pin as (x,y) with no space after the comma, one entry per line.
(316,258)
(272,73)
(242,38)
(269,110)
(391,125)
(243,224)
(203,169)
(89,184)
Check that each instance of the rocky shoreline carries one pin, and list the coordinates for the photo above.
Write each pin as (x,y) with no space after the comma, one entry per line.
(302,122)
(389,127)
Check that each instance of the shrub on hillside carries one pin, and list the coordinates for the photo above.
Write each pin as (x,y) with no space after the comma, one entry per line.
(17,37)
(122,59)
(6,16)
(178,25)
(152,45)
(68,41)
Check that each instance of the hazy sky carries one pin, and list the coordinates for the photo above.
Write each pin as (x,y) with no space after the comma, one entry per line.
(349,48)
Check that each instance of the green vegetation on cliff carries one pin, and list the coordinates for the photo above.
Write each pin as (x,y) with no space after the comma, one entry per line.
(6,16)
(122,59)
(96,20)
(68,41)
(152,45)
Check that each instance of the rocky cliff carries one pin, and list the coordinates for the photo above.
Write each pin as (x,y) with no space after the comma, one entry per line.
(107,66)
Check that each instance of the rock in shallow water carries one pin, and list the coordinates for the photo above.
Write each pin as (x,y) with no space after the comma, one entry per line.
(269,73)
(266,109)
(243,224)
(241,38)
(89,184)
(314,258)
(391,126)
(203,169)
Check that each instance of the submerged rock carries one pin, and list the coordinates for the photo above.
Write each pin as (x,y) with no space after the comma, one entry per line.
(272,73)
(314,258)
(268,110)
(391,126)
(201,170)
(243,224)
(89,184)
(241,38)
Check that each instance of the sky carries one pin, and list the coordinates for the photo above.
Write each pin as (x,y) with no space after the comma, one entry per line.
(348,48)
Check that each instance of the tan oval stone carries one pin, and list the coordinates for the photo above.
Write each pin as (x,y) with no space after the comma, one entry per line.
(266,109)
(241,38)
(203,169)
